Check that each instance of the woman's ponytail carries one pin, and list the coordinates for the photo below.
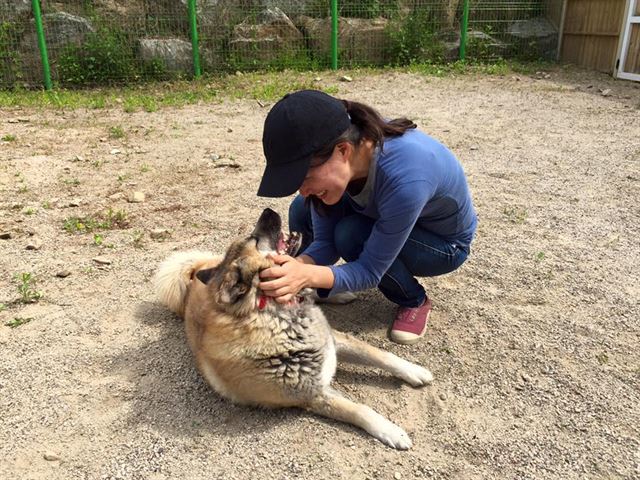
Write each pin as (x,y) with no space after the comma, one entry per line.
(371,124)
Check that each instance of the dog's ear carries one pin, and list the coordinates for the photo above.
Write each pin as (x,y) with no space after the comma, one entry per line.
(205,275)
(235,283)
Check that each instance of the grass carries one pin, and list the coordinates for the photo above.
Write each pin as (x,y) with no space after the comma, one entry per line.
(116,132)
(109,220)
(72,182)
(26,288)
(16,322)
(262,86)
(98,240)
(9,138)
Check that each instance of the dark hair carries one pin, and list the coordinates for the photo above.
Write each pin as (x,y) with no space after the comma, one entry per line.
(366,124)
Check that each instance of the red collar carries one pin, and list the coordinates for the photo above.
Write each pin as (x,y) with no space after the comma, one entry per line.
(263,300)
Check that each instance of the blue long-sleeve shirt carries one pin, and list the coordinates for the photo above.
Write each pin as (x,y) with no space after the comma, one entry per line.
(416,180)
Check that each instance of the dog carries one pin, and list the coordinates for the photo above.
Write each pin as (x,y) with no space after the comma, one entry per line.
(255,351)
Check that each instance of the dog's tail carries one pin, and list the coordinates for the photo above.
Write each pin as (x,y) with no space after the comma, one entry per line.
(175,274)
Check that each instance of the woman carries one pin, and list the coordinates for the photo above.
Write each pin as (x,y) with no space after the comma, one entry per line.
(388,199)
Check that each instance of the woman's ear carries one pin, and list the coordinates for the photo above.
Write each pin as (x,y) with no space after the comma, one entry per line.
(345,149)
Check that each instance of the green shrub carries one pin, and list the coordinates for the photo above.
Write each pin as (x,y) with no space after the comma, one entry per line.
(252,58)
(413,38)
(26,287)
(483,48)
(107,56)
(10,60)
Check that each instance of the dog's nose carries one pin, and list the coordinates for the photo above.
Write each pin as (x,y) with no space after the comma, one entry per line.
(268,211)
(269,216)
(269,220)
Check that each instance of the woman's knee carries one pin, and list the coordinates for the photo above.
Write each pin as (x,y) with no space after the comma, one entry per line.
(350,235)
(299,215)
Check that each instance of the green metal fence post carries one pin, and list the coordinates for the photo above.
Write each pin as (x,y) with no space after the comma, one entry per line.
(42,44)
(334,34)
(463,29)
(193,22)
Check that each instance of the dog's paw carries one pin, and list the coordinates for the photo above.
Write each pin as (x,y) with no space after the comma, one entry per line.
(414,375)
(392,435)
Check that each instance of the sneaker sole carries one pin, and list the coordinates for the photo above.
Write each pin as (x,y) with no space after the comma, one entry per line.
(405,341)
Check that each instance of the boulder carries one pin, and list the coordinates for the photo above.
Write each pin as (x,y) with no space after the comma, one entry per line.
(271,36)
(212,55)
(479,44)
(176,54)
(14,7)
(213,15)
(216,20)
(538,33)
(121,8)
(61,29)
(359,39)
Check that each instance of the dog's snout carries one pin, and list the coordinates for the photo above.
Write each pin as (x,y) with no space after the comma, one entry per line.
(269,221)
(270,215)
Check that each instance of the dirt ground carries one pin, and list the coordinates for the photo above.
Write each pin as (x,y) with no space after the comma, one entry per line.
(534,342)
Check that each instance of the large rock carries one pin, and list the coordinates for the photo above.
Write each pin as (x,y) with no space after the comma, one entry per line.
(359,39)
(14,7)
(120,12)
(176,54)
(273,36)
(214,15)
(539,34)
(479,44)
(121,8)
(61,29)
(212,56)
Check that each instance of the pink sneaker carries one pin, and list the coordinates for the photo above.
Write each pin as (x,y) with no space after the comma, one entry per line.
(410,323)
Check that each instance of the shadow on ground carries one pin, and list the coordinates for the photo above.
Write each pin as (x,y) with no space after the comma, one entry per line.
(167,393)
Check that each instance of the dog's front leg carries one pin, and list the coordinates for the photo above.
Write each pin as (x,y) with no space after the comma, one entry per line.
(333,405)
(352,350)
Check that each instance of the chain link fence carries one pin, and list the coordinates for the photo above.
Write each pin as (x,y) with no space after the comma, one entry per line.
(96,42)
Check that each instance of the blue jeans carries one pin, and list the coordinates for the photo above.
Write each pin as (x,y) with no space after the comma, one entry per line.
(423,255)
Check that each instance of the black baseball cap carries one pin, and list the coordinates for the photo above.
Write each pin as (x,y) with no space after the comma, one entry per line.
(299,125)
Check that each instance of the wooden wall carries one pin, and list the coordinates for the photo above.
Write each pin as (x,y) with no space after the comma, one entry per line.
(592,29)
(632,62)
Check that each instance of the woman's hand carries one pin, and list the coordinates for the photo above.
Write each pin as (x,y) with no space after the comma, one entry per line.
(285,279)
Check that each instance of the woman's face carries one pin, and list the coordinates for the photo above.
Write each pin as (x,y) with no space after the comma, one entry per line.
(328,181)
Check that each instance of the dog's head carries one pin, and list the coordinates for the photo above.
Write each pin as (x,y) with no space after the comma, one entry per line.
(233,284)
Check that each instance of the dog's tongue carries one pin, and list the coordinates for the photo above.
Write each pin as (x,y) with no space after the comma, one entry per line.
(287,244)
(282,244)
